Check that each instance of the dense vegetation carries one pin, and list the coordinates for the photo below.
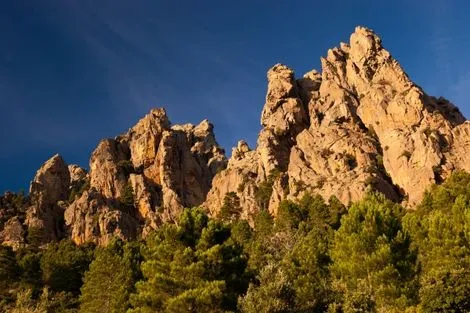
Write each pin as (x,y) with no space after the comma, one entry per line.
(316,256)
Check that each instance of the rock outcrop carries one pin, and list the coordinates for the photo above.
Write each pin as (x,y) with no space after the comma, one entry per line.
(144,178)
(358,125)
(50,185)
(361,124)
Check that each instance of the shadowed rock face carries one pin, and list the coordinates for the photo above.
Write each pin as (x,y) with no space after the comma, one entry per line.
(357,125)
(360,124)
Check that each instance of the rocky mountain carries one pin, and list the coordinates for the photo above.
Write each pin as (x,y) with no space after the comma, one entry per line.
(360,124)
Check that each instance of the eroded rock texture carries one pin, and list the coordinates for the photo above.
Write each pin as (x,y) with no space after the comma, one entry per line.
(360,124)
(159,168)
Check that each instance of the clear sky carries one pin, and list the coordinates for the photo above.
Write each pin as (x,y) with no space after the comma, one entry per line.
(75,71)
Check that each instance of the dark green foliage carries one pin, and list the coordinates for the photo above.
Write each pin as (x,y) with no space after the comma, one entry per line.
(29,262)
(127,196)
(307,266)
(63,265)
(298,282)
(265,189)
(35,236)
(78,189)
(126,166)
(259,247)
(372,258)
(335,211)
(12,204)
(192,267)
(274,293)
(292,260)
(319,212)
(241,232)
(263,194)
(289,216)
(440,231)
(9,273)
(110,279)
(230,210)
(47,302)
(8,267)
(443,197)
(314,256)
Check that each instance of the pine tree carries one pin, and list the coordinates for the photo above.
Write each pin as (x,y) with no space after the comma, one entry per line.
(127,196)
(63,265)
(9,273)
(373,265)
(46,302)
(297,283)
(293,276)
(8,266)
(230,210)
(273,294)
(192,267)
(109,281)
(440,230)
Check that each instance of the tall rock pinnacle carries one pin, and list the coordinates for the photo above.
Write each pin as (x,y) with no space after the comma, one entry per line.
(361,124)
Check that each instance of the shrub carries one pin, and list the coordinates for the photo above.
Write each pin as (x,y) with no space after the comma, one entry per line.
(230,210)
(265,189)
(77,190)
(126,166)
(127,196)
(350,160)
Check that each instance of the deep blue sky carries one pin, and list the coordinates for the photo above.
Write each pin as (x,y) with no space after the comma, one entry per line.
(74,72)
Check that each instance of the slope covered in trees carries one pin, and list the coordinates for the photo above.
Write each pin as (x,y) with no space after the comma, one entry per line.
(315,256)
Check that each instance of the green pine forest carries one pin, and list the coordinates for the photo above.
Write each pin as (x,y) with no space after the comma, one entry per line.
(315,256)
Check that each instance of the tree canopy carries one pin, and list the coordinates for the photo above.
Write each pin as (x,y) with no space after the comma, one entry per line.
(314,256)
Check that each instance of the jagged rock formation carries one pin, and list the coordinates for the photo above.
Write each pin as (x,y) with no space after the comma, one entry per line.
(361,124)
(136,182)
(49,186)
(357,125)
(164,167)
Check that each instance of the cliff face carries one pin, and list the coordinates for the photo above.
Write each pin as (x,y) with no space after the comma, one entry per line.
(361,124)
(136,182)
(163,169)
(357,125)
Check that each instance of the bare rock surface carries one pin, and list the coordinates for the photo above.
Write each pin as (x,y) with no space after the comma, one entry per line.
(145,177)
(357,125)
(360,124)
(49,186)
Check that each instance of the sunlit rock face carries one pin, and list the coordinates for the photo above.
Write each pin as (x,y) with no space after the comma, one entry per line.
(164,167)
(357,125)
(360,124)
